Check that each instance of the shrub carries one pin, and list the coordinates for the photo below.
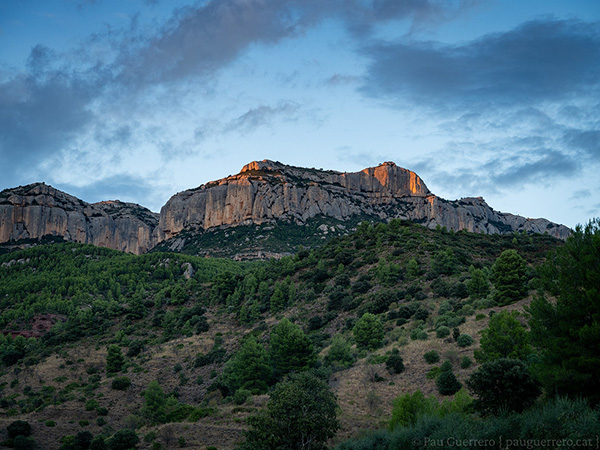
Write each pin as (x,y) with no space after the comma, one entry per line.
(466,362)
(433,373)
(447,384)
(442,332)
(114,359)
(123,440)
(340,352)
(395,363)
(240,396)
(91,404)
(121,383)
(504,337)
(431,357)
(50,423)
(464,340)
(409,407)
(18,428)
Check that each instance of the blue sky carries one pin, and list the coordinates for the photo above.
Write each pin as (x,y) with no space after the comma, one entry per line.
(139,99)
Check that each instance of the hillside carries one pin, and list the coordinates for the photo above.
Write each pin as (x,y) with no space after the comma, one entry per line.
(178,319)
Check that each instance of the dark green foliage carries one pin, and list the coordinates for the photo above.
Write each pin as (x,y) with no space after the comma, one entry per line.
(455,333)
(559,421)
(21,442)
(478,286)
(114,359)
(249,368)
(340,353)
(447,384)
(504,337)
(18,428)
(409,407)
(290,349)
(301,410)
(368,332)
(431,357)
(503,384)
(444,263)
(394,363)
(466,362)
(568,331)
(121,383)
(442,331)
(155,401)
(464,340)
(98,443)
(123,440)
(509,277)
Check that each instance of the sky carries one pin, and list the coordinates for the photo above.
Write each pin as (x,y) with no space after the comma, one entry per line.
(139,99)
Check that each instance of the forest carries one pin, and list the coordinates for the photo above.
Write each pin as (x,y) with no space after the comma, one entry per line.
(456,340)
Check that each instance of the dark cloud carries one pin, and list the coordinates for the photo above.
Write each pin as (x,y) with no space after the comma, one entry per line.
(585,141)
(539,60)
(263,115)
(200,40)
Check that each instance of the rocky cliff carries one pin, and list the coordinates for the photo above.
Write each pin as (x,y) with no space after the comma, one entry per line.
(262,194)
(37,210)
(266,191)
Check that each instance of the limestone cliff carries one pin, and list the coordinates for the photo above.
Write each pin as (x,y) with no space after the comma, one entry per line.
(265,191)
(37,210)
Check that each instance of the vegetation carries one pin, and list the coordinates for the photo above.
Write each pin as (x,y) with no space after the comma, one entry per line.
(140,344)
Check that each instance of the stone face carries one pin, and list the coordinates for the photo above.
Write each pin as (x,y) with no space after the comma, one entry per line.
(266,190)
(37,210)
(263,192)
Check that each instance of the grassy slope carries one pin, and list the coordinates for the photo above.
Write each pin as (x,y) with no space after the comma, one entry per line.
(364,403)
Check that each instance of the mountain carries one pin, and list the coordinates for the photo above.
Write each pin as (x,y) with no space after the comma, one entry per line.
(38,210)
(268,192)
(307,205)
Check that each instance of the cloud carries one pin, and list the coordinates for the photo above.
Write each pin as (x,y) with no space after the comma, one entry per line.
(263,115)
(537,61)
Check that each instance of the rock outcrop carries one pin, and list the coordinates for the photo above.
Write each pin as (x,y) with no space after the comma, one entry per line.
(38,210)
(265,191)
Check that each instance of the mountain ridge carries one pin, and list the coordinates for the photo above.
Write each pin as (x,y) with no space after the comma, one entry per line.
(262,193)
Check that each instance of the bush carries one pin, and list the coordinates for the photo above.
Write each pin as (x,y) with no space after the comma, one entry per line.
(121,383)
(464,340)
(91,405)
(240,396)
(395,363)
(340,352)
(123,440)
(50,423)
(466,362)
(447,384)
(408,408)
(431,357)
(18,428)
(21,442)
(442,331)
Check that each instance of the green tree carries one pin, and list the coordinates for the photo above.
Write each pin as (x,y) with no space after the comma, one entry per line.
(568,331)
(368,332)
(301,414)
(155,402)
(504,337)
(340,352)
(408,408)
(114,359)
(123,440)
(290,349)
(478,286)
(509,277)
(503,384)
(249,368)
(447,383)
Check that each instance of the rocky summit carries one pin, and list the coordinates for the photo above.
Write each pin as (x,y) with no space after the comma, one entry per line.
(38,210)
(264,193)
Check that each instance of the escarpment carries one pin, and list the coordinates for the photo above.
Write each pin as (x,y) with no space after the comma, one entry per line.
(38,210)
(266,191)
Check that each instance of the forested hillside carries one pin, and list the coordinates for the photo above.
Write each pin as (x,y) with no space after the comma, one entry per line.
(166,350)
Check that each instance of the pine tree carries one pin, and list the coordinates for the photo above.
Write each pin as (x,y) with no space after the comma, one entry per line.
(510,277)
